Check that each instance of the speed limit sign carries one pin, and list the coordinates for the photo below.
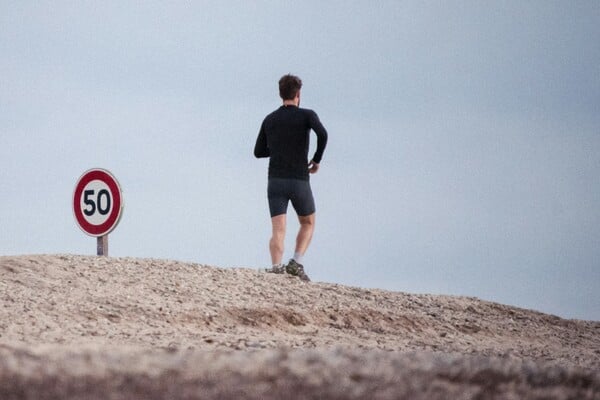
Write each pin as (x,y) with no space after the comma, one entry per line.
(97,202)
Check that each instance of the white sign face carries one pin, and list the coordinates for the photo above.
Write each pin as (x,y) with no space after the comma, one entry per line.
(97,202)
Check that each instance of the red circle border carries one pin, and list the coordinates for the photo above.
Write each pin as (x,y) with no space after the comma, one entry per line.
(115,215)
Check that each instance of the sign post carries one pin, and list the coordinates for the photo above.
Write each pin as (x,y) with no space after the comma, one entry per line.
(98,205)
(102,245)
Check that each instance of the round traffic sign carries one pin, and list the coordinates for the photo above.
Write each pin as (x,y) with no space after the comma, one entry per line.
(97,202)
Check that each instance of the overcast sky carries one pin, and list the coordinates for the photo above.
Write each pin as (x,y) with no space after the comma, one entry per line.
(464,137)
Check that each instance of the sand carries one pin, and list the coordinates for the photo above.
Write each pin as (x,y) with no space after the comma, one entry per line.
(120,328)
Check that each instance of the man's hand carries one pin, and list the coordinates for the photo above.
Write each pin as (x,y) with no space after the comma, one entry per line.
(313,167)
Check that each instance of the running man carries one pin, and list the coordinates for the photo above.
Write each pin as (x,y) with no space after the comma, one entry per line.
(284,138)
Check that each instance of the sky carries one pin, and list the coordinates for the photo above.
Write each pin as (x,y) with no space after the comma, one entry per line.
(463,154)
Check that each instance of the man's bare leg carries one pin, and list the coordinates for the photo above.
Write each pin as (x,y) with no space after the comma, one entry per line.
(277,238)
(305,234)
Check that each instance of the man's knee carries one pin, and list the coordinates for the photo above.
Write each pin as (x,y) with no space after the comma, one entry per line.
(278,226)
(307,220)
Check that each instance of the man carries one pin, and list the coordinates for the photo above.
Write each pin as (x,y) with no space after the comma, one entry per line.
(284,138)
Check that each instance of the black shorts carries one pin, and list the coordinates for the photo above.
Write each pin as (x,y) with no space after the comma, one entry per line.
(281,191)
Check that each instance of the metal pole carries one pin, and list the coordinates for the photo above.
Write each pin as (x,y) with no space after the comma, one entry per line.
(102,245)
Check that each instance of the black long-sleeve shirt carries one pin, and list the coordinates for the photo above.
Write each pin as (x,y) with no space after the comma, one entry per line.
(284,137)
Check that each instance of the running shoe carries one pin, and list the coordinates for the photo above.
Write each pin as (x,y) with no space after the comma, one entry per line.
(277,269)
(293,268)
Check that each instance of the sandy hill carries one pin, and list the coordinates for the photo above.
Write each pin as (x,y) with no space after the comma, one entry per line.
(122,328)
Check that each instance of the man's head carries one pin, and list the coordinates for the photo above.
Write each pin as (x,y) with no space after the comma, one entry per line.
(289,87)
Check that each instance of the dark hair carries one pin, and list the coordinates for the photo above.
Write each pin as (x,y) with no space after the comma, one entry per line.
(289,86)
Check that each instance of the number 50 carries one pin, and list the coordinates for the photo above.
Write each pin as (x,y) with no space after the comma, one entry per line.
(97,205)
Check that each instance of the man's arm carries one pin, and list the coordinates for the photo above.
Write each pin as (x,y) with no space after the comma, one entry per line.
(260,148)
(321,132)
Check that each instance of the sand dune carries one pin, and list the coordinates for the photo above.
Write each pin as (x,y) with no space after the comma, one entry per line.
(116,328)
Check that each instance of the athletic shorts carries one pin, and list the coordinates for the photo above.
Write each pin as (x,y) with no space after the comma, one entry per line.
(281,191)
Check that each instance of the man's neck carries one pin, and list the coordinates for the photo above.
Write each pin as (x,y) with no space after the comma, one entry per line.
(290,103)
